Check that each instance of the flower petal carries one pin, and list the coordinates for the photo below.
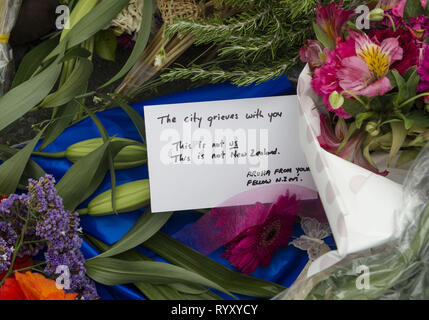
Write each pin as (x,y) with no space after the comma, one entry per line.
(391,47)
(378,88)
(354,74)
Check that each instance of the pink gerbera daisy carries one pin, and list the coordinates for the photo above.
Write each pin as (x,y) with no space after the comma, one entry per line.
(256,245)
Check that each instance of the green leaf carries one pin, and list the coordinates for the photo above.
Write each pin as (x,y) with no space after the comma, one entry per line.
(86,175)
(352,129)
(412,84)
(32,61)
(353,107)
(105,45)
(407,156)
(21,99)
(141,42)
(72,187)
(109,271)
(151,291)
(383,104)
(97,19)
(75,85)
(180,287)
(147,225)
(12,169)
(408,123)
(419,118)
(402,88)
(373,143)
(323,37)
(361,117)
(64,117)
(76,52)
(105,137)
(413,9)
(132,114)
(186,257)
(32,170)
(399,133)
(409,72)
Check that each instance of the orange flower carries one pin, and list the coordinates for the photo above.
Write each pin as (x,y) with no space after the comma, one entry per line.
(35,286)
(10,290)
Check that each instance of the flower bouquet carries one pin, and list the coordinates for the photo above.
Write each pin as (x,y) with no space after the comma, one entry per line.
(35,225)
(363,98)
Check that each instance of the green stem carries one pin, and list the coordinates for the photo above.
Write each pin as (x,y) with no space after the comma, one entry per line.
(54,155)
(391,21)
(31,267)
(34,241)
(413,99)
(15,253)
(86,95)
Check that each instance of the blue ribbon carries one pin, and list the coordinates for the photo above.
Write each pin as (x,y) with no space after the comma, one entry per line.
(286,264)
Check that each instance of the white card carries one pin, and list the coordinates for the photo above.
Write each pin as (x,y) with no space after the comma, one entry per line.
(225,153)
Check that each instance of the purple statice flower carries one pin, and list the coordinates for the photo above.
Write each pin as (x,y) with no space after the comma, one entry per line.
(5,255)
(13,212)
(48,226)
(60,229)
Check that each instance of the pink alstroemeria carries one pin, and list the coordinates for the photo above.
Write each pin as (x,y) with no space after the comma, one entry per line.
(331,140)
(332,19)
(387,4)
(313,53)
(365,73)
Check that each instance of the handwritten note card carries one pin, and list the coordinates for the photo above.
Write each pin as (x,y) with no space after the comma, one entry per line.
(220,153)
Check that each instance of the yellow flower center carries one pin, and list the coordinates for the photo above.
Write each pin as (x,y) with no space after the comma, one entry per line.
(377,60)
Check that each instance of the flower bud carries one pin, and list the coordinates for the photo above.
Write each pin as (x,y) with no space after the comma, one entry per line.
(128,197)
(131,156)
(372,128)
(341,129)
(376,15)
(336,100)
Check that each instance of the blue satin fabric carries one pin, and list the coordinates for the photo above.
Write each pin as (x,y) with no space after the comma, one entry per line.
(286,264)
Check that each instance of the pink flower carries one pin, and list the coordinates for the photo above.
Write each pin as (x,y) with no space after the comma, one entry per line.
(326,81)
(256,245)
(399,7)
(406,40)
(387,4)
(419,27)
(423,71)
(313,53)
(352,151)
(332,19)
(365,73)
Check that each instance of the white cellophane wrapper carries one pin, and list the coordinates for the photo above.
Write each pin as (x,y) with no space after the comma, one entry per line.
(9,10)
(361,206)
